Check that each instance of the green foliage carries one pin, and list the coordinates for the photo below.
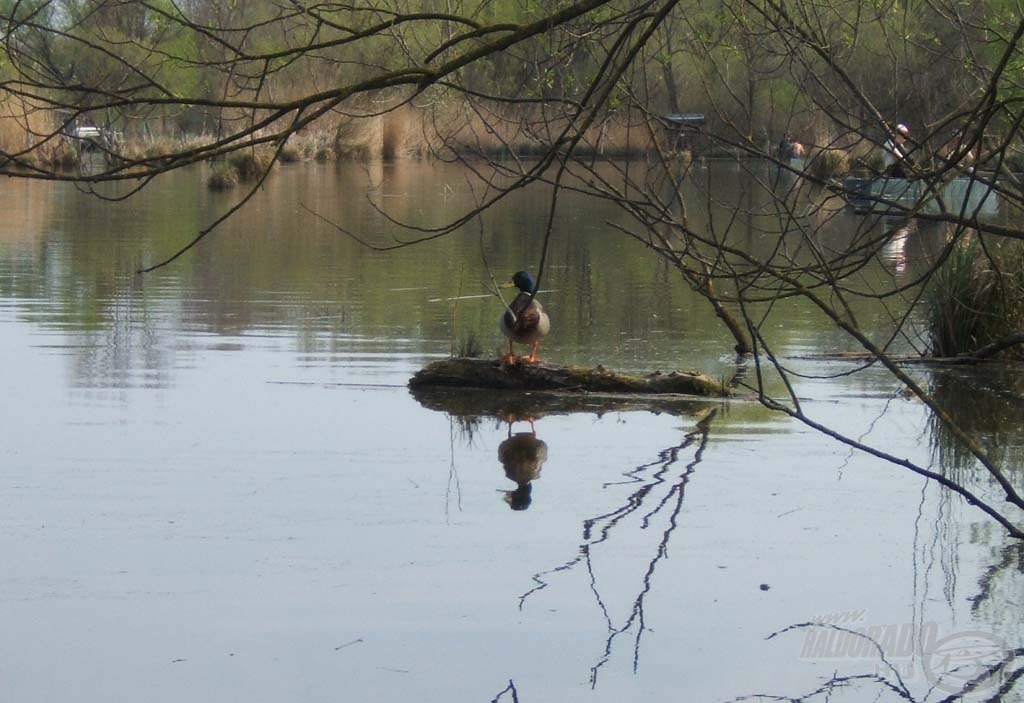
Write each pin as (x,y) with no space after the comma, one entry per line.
(222,177)
(250,164)
(976,298)
(830,163)
(748,67)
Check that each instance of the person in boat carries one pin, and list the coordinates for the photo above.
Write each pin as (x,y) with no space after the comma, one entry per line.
(958,153)
(896,152)
(790,149)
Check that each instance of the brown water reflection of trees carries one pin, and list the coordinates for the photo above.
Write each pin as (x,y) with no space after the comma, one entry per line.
(989,402)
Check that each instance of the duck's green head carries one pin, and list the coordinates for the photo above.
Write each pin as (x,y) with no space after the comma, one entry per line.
(519,499)
(524,281)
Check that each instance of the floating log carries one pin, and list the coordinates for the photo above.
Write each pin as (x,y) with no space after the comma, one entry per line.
(523,376)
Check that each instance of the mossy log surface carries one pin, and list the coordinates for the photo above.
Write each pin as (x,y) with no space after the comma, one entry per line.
(523,376)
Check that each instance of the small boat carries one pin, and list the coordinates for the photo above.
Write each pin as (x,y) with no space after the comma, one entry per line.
(892,196)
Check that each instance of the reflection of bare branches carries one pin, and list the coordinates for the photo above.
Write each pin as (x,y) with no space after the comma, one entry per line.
(826,689)
(1011,680)
(1012,555)
(988,403)
(597,530)
(985,678)
(466,429)
(511,688)
(1007,672)
(900,687)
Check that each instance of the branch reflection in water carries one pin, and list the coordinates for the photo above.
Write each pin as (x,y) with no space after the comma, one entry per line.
(660,494)
(661,484)
(652,505)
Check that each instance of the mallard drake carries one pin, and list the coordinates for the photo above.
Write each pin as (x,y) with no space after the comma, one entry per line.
(524,320)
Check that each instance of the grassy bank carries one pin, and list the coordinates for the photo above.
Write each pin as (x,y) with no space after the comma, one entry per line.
(399,132)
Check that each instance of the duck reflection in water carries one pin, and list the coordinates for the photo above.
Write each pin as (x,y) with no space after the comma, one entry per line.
(522,455)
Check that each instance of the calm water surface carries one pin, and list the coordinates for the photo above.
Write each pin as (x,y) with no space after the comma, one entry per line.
(216,486)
